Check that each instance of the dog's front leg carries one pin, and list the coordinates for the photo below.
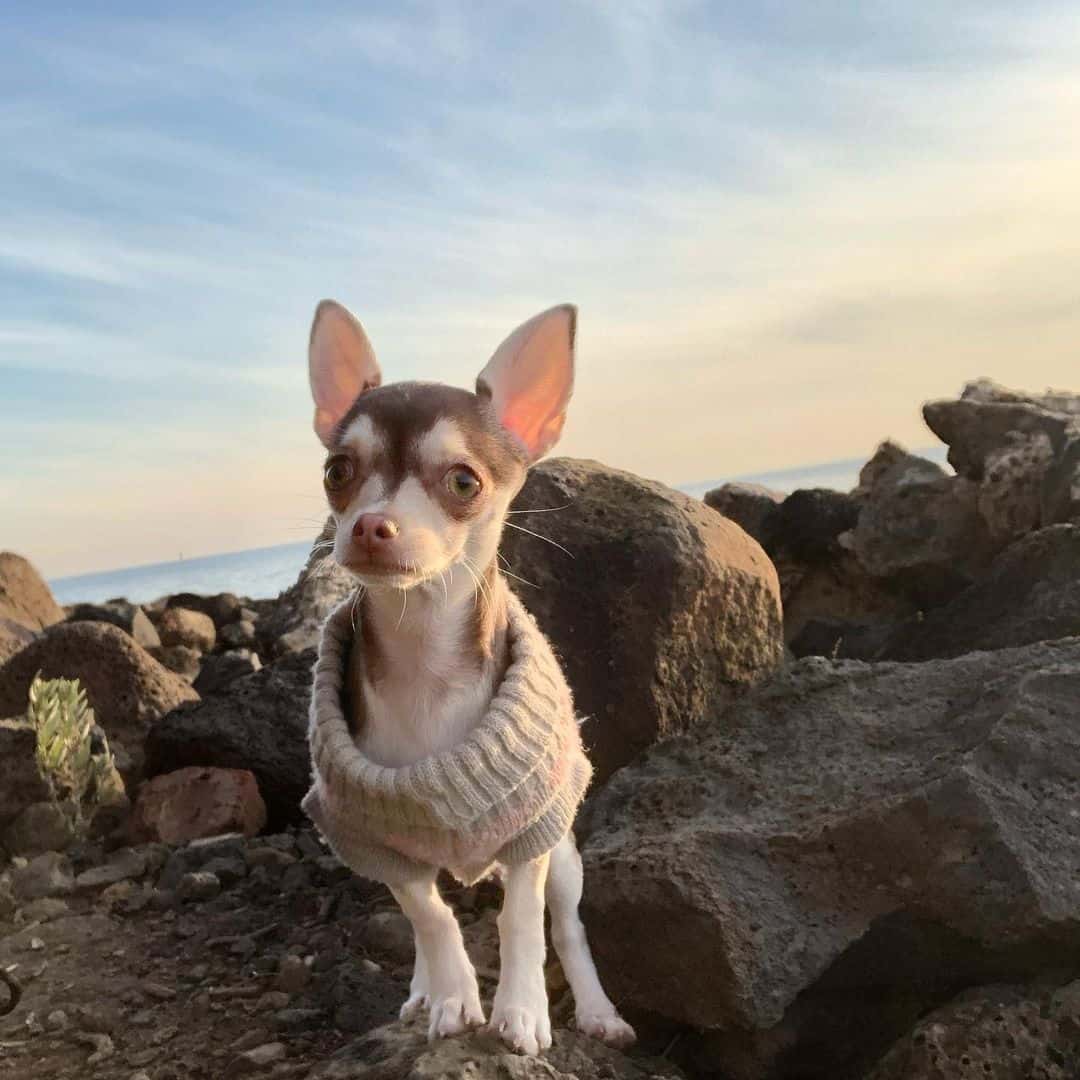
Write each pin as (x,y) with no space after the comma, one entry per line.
(520,1011)
(451,987)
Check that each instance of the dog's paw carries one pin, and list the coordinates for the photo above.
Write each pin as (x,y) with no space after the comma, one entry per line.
(607,1026)
(414,1005)
(455,1014)
(525,1029)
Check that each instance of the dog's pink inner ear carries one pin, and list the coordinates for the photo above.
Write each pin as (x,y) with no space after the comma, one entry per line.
(531,377)
(341,366)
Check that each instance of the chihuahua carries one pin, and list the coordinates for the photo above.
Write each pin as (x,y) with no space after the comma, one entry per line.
(419,479)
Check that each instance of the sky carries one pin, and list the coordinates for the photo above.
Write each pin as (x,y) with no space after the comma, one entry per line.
(785,224)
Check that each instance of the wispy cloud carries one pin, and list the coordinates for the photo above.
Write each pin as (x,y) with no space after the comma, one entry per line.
(773,215)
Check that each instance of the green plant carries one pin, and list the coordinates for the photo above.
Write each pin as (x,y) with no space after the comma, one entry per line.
(73,757)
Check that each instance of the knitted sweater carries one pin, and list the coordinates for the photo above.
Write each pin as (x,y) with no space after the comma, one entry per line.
(507,793)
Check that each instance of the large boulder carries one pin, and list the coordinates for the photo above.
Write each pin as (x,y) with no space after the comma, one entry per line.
(1031,593)
(993,1033)
(126,687)
(843,847)
(258,722)
(401,1051)
(294,620)
(129,617)
(183,627)
(1006,442)
(660,608)
(25,598)
(222,608)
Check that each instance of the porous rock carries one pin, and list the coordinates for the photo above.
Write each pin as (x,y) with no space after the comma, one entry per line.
(1031,593)
(844,834)
(181,660)
(13,637)
(658,607)
(401,1051)
(258,722)
(993,1033)
(222,608)
(125,686)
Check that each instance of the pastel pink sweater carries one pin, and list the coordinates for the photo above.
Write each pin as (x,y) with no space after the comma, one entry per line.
(507,793)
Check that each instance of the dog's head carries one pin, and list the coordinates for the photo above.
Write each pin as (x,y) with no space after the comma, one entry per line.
(420,475)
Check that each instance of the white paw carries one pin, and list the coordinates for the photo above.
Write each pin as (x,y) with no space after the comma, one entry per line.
(607,1026)
(455,1013)
(525,1029)
(416,1003)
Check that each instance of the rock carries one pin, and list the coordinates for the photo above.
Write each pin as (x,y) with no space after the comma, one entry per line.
(389,934)
(293,623)
(257,1059)
(196,802)
(25,599)
(806,525)
(13,637)
(660,608)
(293,975)
(1031,593)
(40,826)
(844,835)
(126,687)
(8,904)
(926,536)
(220,669)
(988,418)
(1061,487)
(181,626)
(402,1052)
(228,869)
(238,635)
(123,865)
(748,505)
(129,617)
(182,660)
(222,608)
(21,782)
(198,885)
(892,466)
(48,874)
(257,723)
(44,910)
(999,1032)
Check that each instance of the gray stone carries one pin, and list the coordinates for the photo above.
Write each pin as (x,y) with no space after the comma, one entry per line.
(122,865)
(220,669)
(841,832)
(25,598)
(389,934)
(398,1050)
(21,782)
(40,826)
(48,874)
(198,885)
(129,617)
(182,660)
(657,606)
(892,466)
(1061,486)
(237,635)
(993,1033)
(748,505)
(1031,593)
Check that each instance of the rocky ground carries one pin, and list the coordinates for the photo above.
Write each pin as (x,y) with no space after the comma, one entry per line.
(835,829)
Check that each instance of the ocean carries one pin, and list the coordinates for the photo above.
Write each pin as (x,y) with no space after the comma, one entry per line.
(264,572)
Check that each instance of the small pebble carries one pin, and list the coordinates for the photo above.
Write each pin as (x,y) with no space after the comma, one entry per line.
(293,975)
(199,885)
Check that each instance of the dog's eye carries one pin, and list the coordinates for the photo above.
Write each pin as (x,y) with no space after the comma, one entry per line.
(462,482)
(339,471)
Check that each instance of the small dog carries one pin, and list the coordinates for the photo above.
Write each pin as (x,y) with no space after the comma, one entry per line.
(419,479)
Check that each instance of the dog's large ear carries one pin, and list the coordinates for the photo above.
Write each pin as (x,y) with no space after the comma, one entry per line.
(341,366)
(530,378)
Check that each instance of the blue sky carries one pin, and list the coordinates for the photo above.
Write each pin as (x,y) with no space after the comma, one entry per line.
(785,224)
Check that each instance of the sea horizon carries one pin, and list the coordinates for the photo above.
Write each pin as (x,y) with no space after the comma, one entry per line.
(262,573)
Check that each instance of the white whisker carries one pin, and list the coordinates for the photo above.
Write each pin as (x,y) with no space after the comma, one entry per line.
(546,539)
